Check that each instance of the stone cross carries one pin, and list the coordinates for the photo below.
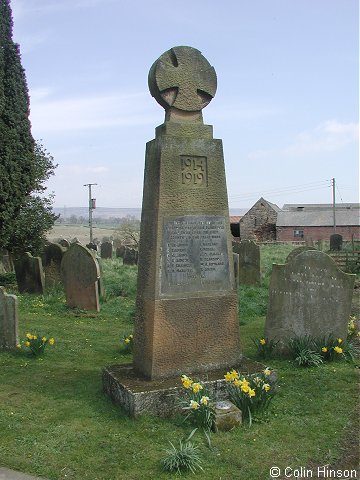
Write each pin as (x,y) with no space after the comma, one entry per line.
(183,79)
(8,320)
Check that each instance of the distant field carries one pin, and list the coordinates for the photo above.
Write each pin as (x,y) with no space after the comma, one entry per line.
(81,232)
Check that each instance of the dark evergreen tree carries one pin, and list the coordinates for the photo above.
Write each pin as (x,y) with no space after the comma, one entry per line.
(24,165)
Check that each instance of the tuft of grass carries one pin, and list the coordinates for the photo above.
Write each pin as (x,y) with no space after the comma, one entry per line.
(182,459)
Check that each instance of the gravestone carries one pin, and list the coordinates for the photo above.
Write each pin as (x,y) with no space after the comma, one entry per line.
(236,267)
(29,274)
(92,246)
(52,258)
(309,295)
(64,243)
(336,241)
(80,274)
(130,256)
(249,262)
(106,250)
(320,245)
(186,309)
(120,251)
(8,320)
(7,261)
(296,251)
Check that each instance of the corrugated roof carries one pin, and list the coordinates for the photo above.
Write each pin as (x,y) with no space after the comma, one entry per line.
(319,206)
(318,218)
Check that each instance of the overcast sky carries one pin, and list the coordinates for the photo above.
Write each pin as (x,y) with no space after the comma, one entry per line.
(286,107)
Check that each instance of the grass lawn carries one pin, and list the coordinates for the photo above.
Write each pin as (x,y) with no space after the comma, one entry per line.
(56,422)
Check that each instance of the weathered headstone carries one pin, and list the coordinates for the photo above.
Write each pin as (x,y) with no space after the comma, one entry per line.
(7,261)
(296,251)
(336,241)
(29,274)
(80,273)
(130,256)
(309,295)
(106,250)
(236,268)
(186,309)
(52,258)
(64,243)
(8,320)
(249,262)
(92,246)
(120,251)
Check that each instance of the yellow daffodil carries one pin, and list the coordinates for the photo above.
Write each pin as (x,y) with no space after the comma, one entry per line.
(251,393)
(127,340)
(358,333)
(29,336)
(338,349)
(18,345)
(262,341)
(186,381)
(27,344)
(245,388)
(196,387)
(204,400)
(266,387)
(34,337)
(51,341)
(237,382)
(231,376)
(131,336)
(267,371)
(324,349)
(194,405)
(44,339)
(339,340)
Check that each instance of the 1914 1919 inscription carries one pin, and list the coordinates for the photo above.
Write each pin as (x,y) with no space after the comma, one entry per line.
(194,255)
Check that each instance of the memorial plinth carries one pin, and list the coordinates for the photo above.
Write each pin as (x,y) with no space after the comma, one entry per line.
(186,309)
(186,318)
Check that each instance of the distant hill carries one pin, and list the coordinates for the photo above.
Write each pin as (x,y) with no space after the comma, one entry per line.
(104,212)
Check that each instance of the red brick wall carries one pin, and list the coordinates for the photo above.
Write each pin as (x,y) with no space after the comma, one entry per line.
(286,234)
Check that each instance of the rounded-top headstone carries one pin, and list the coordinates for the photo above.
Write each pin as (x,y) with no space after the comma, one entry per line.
(182,78)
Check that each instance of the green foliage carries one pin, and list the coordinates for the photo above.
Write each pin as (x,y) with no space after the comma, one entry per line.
(24,165)
(182,459)
(308,358)
(252,394)
(264,346)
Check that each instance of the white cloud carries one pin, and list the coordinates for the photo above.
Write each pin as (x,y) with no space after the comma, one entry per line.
(90,112)
(327,137)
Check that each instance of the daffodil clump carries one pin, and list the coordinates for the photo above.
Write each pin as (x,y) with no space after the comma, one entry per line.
(195,401)
(127,343)
(264,346)
(36,343)
(353,327)
(253,393)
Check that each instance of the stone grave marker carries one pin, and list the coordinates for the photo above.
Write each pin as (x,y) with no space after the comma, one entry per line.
(236,267)
(186,308)
(52,258)
(120,251)
(336,241)
(130,256)
(92,246)
(296,251)
(309,295)
(64,243)
(7,261)
(249,262)
(106,250)
(8,320)
(29,274)
(80,274)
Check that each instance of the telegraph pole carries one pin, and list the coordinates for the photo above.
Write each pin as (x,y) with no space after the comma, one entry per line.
(91,207)
(334,216)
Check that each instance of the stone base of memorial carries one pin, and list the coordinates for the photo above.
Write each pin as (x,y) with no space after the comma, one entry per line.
(140,396)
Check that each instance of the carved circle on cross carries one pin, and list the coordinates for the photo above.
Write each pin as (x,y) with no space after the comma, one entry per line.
(182,78)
